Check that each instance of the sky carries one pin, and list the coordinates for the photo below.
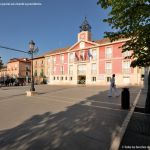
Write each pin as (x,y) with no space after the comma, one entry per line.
(51,24)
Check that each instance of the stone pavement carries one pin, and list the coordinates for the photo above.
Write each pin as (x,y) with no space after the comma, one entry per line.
(60,118)
(137,135)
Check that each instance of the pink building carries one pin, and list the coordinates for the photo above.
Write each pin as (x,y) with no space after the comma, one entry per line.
(90,62)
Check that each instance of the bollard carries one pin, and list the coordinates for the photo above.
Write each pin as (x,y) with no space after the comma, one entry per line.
(125,99)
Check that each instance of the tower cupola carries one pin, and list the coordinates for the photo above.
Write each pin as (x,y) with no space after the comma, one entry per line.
(85,26)
(85,31)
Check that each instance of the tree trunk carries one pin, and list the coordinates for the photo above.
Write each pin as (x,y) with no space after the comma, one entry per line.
(147,104)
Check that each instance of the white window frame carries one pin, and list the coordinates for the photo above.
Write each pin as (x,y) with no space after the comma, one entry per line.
(108,70)
(108,52)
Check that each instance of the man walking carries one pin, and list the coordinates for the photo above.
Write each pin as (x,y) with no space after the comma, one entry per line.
(113,87)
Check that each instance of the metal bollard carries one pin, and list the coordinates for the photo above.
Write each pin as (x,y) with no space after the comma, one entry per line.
(125,99)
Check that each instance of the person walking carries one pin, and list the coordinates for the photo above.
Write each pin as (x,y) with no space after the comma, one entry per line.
(113,87)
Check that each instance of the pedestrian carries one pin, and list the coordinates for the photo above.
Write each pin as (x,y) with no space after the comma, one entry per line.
(113,87)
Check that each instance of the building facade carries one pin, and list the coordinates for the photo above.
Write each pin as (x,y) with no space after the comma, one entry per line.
(19,68)
(39,69)
(3,74)
(90,62)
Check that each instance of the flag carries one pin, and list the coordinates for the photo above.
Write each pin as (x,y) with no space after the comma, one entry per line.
(76,56)
(81,55)
(85,55)
(90,54)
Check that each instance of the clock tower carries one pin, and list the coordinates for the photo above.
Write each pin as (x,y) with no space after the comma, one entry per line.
(85,31)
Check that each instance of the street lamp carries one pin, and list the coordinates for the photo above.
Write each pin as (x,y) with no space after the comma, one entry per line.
(32,50)
(0,69)
(0,62)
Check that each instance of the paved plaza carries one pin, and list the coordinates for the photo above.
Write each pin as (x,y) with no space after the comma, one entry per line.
(60,118)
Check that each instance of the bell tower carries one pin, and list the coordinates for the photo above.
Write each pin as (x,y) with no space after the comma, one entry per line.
(85,31)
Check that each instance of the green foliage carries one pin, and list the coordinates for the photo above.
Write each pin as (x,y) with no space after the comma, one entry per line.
(1,63)
(35,73)
(131,20)
(42,73)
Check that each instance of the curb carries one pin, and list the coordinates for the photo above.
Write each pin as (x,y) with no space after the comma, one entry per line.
(120,133)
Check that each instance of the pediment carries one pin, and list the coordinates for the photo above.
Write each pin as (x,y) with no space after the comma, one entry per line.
(82,45)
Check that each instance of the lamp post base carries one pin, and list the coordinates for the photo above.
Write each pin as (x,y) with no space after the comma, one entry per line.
(31,93)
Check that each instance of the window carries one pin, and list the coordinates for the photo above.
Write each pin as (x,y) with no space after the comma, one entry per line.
(35,73)
(93,79)
(108,67)
(108,52)
(94,53)
(54,78)
(27,68)
(42,73)
(126,53)
(71,70)
(71,57)
(66,78)
(57,78)
(48,60)
(126,67)
(81,69)
(62,58)
(62,70)
(93,68)
(53,59)
(71,78)
(62,78)
(48,71)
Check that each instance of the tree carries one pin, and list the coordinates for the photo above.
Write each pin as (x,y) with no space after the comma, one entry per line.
(131,20)
(1,63)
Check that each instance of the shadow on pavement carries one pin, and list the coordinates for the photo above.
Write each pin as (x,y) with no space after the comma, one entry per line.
(79,127)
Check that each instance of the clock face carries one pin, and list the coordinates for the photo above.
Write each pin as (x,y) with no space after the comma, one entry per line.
(82,45)
(82,36)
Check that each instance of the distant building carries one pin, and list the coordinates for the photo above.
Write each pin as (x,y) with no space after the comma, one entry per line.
(39,69)
(19,68)
(89,62)
(3,73)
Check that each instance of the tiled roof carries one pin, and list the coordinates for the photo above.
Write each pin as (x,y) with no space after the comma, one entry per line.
(39,57)
(102,41)
(58,50)
(19,59)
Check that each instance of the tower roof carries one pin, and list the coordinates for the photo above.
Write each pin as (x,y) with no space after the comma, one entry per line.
(85,26)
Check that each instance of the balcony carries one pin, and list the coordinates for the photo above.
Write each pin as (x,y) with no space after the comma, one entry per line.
(108,56)
(126,71)
(93,72)
(71,72)
(81,72)
(108,71)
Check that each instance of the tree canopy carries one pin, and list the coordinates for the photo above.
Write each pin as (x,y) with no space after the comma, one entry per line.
(131,20)
(1,63)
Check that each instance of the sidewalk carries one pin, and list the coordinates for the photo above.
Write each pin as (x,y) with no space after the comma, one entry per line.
(137,135)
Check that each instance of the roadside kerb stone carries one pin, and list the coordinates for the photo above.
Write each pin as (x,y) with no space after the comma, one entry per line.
(120,133)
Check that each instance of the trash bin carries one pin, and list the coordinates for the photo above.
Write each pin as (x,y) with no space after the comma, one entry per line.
(125,98)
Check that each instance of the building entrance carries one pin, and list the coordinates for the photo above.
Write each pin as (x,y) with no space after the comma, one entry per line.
(81,79)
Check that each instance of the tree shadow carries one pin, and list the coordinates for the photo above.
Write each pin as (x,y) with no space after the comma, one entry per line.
(83,126)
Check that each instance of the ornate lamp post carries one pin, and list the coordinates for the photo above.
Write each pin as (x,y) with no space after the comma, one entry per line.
(0,68)
(32,50)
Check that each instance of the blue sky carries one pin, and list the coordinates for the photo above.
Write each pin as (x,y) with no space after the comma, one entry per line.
(52,25)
